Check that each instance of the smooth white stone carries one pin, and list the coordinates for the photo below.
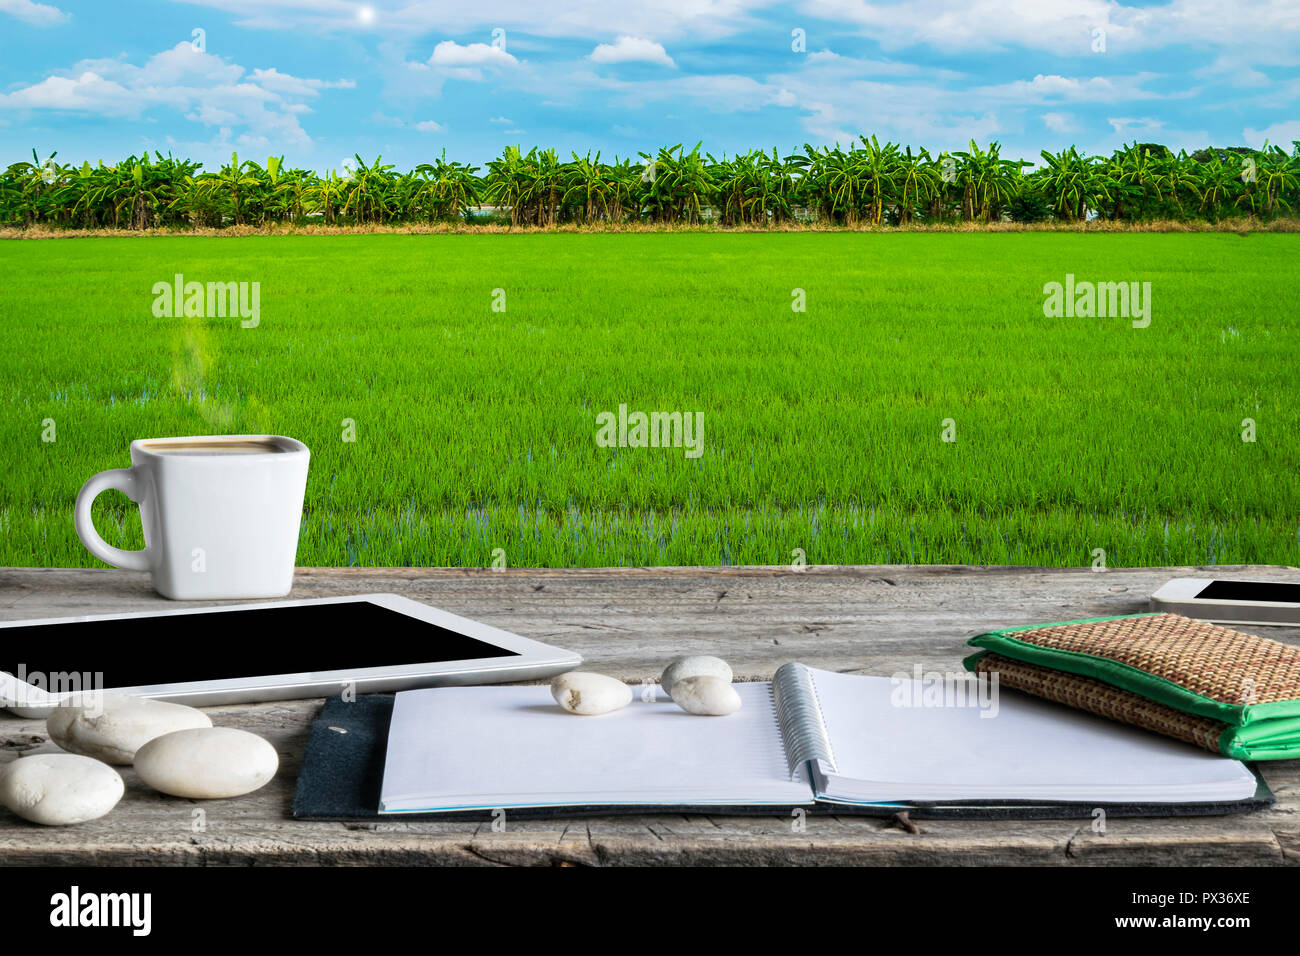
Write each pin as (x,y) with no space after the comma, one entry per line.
(58,789)
(588,694)
(207,763)
(707,696)
(113,728)
(698,666)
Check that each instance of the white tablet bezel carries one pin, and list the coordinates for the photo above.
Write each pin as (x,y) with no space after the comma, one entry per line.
(532,660)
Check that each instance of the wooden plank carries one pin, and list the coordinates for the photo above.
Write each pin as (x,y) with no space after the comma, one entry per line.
(628,622)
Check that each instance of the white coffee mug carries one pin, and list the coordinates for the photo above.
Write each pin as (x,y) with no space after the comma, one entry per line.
(221,514)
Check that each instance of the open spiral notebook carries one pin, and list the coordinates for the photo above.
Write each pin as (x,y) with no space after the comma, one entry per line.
(808,736)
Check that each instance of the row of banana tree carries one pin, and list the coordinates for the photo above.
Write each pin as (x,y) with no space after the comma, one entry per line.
(868,183)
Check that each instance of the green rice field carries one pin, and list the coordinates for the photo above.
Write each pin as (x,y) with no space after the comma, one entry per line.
(475,430)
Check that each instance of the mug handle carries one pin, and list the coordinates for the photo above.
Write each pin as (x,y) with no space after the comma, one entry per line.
(125,481)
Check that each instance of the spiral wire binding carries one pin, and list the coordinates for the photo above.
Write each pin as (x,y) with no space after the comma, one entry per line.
(799,714)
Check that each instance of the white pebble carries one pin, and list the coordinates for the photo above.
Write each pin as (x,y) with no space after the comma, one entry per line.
(707,696)
(207,763)
(58,789)
(588,694)
(114,727)
(698,666)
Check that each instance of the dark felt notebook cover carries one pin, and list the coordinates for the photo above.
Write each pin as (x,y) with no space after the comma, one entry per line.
(343,770)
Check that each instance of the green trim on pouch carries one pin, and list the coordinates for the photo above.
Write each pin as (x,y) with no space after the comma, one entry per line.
(1276,739)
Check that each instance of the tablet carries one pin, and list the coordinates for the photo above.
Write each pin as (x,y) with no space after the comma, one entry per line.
(1274,603)
(248,653)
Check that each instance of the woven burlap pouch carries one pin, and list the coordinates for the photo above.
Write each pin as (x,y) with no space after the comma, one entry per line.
(1192,666)
(1085,693)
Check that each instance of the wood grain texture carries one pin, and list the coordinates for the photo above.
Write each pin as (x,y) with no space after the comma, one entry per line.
(628,622)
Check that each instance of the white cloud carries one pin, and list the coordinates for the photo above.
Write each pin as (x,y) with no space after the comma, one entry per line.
(287,85)
(396,122)
(1279,134)
(1143,126)
(1270,29)
(1062,26)
(35,14)
(856,66)
(87,91)
(451,54)
(1235,70)
(698,20)
(628,49)
(264,104)
(449,60)
(718,92)
(501,119)
(1055,88)
(1282,96)
(1059,122)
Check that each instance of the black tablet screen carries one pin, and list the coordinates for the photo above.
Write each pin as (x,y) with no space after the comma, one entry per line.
(1251,591)
(253,642)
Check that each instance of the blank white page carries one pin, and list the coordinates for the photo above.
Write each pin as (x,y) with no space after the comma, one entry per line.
(459,747)
(1031,750)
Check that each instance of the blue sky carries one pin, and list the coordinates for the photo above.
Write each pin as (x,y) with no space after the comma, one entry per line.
(318,81)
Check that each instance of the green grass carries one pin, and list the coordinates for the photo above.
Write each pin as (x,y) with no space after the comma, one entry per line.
(475,430)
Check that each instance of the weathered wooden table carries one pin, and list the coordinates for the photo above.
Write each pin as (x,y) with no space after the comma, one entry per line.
(627,622)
